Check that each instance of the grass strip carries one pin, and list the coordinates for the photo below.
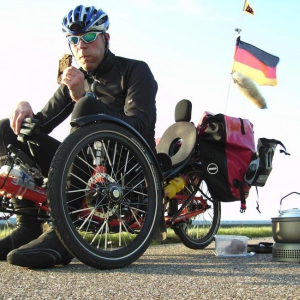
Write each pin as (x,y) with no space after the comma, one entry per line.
(249,231)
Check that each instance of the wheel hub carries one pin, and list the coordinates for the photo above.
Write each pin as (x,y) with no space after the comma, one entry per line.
(114,192)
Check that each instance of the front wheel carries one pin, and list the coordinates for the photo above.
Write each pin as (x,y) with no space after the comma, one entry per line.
(104,194)
(198,231)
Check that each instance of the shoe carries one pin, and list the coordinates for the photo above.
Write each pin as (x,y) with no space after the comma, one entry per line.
(44,252)
(28,227)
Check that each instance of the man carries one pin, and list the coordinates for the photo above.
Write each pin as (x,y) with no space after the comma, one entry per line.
(105,83)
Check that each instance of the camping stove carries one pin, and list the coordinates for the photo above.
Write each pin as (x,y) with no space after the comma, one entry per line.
(289,252)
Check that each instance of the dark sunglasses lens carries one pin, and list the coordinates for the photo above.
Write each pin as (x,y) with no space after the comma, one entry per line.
(89,37)
(73,40)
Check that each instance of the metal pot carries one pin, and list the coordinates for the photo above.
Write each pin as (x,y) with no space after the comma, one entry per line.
(286,227)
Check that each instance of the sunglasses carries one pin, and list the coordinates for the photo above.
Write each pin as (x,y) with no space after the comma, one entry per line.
(87,38)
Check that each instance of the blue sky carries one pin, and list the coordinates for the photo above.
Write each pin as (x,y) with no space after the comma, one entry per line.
(189,47)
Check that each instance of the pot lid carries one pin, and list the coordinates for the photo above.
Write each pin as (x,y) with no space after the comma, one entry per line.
(294,212)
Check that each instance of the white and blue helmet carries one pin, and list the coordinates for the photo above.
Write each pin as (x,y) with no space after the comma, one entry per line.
(82,19)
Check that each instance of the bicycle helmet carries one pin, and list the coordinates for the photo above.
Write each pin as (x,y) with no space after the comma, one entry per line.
(83,19)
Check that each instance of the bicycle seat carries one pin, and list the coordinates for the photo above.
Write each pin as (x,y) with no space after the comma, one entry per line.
(179,140)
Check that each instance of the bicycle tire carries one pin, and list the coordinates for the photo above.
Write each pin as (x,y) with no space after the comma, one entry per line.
(199,231)
(115,223)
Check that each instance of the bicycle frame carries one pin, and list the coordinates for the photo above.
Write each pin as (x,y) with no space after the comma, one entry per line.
(17,181)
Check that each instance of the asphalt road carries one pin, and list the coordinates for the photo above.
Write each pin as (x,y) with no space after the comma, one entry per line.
(164,272)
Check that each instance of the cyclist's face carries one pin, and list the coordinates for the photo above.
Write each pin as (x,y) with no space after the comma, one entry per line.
(90,55)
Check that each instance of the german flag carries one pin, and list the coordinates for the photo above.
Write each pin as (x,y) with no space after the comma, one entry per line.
(255,63)
(247,8)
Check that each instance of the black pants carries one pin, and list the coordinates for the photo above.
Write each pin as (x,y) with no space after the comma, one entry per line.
(47,145)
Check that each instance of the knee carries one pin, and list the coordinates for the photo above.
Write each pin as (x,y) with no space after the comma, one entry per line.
(7,137)
(5,129)
(85,106)
(4,125)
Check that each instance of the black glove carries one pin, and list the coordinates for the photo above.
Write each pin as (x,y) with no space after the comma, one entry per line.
(30,128)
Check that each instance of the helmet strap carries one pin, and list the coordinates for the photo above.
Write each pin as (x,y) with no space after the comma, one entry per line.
(106,43)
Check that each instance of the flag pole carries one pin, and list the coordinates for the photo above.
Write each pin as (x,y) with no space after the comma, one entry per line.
(238,30)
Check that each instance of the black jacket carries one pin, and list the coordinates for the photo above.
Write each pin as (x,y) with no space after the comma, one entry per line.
(127,89)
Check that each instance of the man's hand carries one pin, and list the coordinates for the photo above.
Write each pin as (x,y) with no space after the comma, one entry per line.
(74,80)
(29,128)
(23,110)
